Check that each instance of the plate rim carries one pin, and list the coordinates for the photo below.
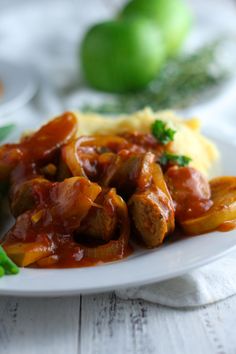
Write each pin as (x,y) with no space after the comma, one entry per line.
(102,289)
(24,95)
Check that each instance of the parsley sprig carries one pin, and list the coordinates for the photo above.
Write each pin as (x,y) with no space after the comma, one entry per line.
(180,160)
(162,132)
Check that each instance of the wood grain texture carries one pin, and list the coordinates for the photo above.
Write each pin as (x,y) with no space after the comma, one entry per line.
(111,325)
(32,326)
(105,324)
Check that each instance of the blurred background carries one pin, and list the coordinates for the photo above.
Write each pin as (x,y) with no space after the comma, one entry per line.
(49,63)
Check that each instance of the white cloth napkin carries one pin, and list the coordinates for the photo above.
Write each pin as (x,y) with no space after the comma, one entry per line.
(203,286)
(46,34)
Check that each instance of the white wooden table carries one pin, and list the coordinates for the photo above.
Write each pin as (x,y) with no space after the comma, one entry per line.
(104,324)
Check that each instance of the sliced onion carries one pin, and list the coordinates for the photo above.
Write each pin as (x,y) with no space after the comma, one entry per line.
(114,249)
(72,153)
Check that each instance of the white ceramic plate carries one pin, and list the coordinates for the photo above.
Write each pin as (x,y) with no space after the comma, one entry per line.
(19,86)
(142,267)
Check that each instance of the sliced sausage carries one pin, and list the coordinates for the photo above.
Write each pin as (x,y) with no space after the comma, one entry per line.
(152,216)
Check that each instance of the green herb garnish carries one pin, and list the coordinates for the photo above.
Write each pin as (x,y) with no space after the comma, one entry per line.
(5,131)
(6,264)
(180,83)
(162,133)
(180,160)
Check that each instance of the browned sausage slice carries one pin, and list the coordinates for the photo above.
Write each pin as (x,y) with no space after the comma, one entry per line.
(152,215)
(101,221)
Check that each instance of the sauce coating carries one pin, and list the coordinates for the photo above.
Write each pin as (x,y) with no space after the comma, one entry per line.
(190,192)
(78,201)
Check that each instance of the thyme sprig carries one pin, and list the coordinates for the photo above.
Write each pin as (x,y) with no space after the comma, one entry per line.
(179,84)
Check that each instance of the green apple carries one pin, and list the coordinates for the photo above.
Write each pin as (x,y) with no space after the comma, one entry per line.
(173,18)
(122,55)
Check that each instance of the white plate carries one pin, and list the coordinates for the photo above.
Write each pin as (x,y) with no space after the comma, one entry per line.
(19,86)
(143,267)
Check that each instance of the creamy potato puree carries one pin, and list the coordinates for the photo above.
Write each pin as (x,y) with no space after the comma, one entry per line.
(188,139)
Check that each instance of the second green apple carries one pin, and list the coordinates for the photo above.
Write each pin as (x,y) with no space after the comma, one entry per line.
(173,17)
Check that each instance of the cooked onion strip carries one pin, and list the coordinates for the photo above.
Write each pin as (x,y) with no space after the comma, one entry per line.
(114,249)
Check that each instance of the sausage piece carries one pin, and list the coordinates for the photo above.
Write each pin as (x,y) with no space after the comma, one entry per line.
(190,191)
(101,221)
(152,215)
(129,172)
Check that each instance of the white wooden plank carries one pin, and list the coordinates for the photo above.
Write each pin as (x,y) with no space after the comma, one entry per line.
(111,325)
(219,321)
(36,326)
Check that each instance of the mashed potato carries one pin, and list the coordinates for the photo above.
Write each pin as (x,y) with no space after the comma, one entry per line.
(188,139)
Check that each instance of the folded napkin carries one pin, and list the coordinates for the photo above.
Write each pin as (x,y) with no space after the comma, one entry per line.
(29,33)
(205,285)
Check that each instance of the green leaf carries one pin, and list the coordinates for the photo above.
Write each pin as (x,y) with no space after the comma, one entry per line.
(180,160)
(162,133)
(2,271)
(5,131)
